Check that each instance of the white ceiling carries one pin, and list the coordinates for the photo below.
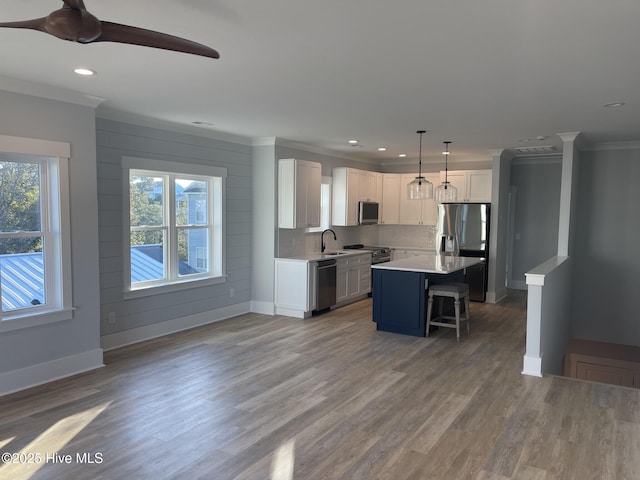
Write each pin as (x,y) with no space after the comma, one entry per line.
(483,74)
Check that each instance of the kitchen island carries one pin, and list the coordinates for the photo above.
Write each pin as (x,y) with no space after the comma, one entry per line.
(400,289)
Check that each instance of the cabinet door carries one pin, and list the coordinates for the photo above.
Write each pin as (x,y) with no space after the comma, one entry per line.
(367,186)
(313,186)
(479,186)
(605,374)
(353,182)
(365,279)
(298,193)
(390,208)
(458,180)
(345,196)
(342,292)
(292,289)
(410,210)
(353,281)
(302,174)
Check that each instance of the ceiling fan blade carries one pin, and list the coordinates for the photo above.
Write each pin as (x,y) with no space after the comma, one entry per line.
(75,4)
(115,32)
(35,24)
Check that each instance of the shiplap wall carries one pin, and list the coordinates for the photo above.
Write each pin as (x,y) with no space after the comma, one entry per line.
(115,140)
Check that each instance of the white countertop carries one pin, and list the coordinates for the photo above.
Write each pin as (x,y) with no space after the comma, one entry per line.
(314,257)
(432,263)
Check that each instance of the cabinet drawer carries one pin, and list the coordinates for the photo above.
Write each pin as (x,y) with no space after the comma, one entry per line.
(605,374)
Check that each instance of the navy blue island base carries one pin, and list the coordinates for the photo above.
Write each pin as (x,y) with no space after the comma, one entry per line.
(400,290)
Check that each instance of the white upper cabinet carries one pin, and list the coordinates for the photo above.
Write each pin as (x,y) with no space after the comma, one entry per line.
(298,193)
(351,186)
(390,205)
(368,186)
(345,196)
(472,185)
(417,212)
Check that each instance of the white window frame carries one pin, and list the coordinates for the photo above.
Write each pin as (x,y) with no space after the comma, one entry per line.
(53,158)
(325,206)
(216,176)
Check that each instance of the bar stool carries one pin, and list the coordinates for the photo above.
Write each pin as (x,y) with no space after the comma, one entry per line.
(457,291)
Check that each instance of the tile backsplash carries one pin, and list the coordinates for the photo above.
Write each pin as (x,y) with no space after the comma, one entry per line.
(293,243)
(417,236)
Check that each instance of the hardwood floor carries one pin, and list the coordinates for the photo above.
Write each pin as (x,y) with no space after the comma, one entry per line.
(261,397)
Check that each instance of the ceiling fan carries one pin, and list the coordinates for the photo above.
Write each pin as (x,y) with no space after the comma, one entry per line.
(74,23)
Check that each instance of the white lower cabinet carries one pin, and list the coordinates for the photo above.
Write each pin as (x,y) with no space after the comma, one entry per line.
(354,278)
(295,287)
(295,283)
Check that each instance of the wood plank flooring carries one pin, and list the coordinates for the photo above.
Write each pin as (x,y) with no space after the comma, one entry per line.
(259,397)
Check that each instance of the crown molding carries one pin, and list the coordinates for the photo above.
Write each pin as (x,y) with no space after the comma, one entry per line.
(34,89)
(107,113)
(307,147)
(607,146)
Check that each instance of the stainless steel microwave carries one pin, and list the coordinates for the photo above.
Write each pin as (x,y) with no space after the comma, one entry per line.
(367,213)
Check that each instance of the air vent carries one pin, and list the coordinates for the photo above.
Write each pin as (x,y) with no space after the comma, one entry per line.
(536,150)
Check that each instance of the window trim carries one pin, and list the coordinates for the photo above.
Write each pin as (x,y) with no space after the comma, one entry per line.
(326,202)
(55,187)
(217,220)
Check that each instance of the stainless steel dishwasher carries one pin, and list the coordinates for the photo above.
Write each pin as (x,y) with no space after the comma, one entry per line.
(326,271)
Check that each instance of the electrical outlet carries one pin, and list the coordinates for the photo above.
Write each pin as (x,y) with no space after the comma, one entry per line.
(111,318)
(232,292)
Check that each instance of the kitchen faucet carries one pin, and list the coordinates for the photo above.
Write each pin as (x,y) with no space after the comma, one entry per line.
(322,238)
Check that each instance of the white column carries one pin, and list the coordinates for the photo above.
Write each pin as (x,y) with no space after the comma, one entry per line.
(568,192)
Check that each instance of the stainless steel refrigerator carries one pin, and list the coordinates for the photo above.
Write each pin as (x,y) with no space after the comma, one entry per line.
(463,229)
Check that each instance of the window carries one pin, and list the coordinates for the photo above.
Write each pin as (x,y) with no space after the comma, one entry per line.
(35,270)
(175,217)
(325,206)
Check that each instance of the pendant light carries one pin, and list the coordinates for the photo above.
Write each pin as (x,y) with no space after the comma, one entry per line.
(420,188)
(445,192)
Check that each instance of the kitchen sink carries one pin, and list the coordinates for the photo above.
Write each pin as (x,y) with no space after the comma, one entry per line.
(334,253)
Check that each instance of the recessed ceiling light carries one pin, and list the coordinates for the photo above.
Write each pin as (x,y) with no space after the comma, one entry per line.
(84,71)
(402,155)
(382,149)
(614,104)
(353,142)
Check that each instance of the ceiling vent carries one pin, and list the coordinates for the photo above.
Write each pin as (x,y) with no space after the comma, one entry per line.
(536,150)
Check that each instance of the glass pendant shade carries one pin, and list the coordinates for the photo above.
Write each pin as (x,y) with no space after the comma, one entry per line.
(446,192)
(419,188)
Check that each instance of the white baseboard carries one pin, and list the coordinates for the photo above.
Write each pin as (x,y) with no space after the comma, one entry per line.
(532,366)
(266,308)
(497,296)
(290,312)
(35,375)
(140,334)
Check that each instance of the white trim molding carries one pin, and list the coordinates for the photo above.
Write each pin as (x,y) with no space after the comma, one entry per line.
(155,330)
(265,308)
(35,375)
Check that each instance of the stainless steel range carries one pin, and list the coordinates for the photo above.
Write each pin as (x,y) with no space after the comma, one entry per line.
(378,254)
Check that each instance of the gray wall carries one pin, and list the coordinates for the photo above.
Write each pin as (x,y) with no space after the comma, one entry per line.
(607,254)
(27,116)
(265,226)
(115,140)
(537,203)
